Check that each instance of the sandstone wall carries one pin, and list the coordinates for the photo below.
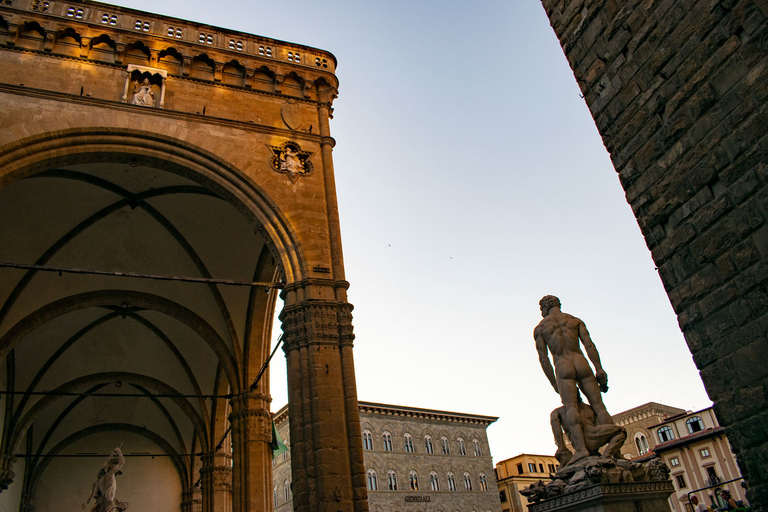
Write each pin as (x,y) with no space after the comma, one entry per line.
(678,92)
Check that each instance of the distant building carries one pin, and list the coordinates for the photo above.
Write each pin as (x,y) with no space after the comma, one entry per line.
(696,449)
(519,472)
(415,459)
(638,422)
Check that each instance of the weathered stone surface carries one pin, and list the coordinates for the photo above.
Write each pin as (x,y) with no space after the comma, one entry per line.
(678,91)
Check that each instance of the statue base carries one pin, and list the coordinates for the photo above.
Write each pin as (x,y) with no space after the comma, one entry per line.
(611,497)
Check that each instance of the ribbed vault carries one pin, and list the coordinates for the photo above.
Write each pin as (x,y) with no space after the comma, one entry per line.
(88,356)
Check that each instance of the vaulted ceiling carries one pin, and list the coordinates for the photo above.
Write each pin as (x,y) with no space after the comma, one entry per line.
(155,349)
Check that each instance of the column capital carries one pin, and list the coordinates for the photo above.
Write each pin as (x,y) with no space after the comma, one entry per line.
(251,425)
(317,323)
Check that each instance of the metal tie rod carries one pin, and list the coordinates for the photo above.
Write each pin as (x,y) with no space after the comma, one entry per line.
(157,277)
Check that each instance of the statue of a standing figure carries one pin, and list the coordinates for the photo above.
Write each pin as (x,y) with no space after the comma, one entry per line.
(142,94)
(103,489)
(560,334)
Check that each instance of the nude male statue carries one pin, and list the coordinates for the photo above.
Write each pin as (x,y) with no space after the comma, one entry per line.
(560,333)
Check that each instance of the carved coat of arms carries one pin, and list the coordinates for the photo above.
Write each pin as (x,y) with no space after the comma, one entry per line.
(288,158)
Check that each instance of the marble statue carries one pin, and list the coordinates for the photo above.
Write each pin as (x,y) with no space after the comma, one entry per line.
(560,334)
(595,435)
(103,489)
(588,426)
(142,94)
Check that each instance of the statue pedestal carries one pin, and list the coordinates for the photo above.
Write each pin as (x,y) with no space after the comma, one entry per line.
(611,497)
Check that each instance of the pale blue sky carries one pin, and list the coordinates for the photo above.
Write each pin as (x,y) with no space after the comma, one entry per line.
(471,182)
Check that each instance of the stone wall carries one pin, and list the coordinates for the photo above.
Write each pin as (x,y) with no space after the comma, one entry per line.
(678,92)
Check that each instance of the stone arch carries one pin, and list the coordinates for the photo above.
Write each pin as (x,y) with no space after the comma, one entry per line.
(203,67)
(102,48)
(99,322)
(171,60)
(68,32)
(31,36)
(181,469)
(233,73)
(102,39)
(109,377)
(68,42)
(36,153)
(137,53)
(112,297)
(293,85)
(263,79)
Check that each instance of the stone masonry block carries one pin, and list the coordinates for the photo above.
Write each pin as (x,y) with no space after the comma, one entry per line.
(703,197)
(745,254)
(714,242)
(719,298)
(742,404)
(750,432)
(710,213)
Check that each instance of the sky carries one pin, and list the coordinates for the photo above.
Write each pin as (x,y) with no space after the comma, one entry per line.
(471,182)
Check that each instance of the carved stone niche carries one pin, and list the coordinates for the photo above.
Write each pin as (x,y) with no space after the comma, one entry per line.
(145,77)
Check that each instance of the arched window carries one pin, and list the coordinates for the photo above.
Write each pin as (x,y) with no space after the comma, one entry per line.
(434,484)
(387,438)
(445,446)
(287,490)
(451,482)
(413,479)
(694,424)
(467,482)
(408,443)
(665,434)
(462,446)
(641,443)
(478,449)
(483,482)
(367,440)
(391,480)
(428,444)
(372,480)
(274,495)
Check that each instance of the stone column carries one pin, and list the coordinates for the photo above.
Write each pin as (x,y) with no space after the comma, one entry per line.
(325,112)
(189,500)
(251,453)
(216,483)
(162,93)
(326,444)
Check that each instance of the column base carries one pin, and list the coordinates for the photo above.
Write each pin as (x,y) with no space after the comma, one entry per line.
(618,497)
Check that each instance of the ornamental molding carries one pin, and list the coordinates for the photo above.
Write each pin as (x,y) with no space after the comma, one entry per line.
(633,491)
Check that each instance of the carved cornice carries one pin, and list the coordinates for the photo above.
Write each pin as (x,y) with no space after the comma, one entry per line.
(173,114)
(130,34)
(314,281)
(630,490)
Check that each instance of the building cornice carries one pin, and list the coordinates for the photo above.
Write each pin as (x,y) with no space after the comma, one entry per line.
(425,414)
(407,412)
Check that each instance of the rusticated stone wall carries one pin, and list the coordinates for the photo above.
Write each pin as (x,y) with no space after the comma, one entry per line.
(678,92)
